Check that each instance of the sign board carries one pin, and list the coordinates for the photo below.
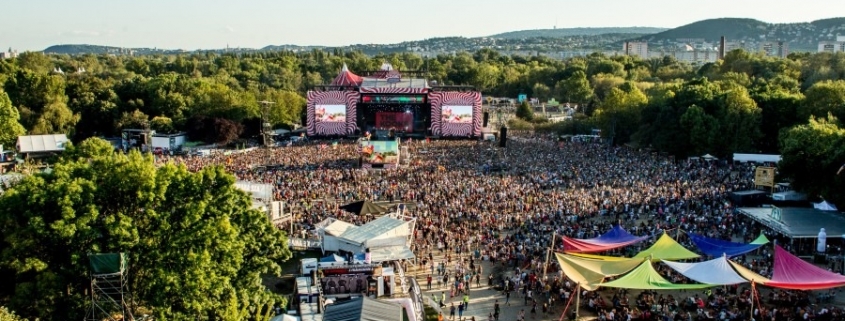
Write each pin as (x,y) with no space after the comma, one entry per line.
(764,176)
(522,97)
(776,213)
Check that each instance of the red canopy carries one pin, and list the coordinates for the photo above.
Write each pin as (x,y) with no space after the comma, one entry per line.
(791,272)
(615,238)
(347,78)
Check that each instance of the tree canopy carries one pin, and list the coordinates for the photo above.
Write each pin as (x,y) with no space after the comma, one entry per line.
(196,248)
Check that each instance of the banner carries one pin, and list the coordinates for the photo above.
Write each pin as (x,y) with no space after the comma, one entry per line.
(395,120)
(764,176)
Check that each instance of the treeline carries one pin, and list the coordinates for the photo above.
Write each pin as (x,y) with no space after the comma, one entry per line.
(742,103)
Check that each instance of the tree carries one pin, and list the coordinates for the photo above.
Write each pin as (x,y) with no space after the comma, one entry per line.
(524,111)
(161,124)
(10,128)
(196,248)
(575,89)
(811,156)
(823,98)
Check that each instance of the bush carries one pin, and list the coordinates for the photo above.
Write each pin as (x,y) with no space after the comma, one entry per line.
(519,124)
(524,111)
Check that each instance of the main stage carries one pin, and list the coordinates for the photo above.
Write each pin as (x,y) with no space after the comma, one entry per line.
(387,103)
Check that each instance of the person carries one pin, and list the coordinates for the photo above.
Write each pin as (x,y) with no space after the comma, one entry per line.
(439,316)
(461,310)
(490,317)
(452,311)
(507,297)
(428,280)
(496,307)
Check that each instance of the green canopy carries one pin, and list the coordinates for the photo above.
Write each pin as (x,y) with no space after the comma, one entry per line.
(589,273)
(760,240)
(666,248)
(644,277)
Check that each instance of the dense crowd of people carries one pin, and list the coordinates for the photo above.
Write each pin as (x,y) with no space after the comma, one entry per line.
(476,201)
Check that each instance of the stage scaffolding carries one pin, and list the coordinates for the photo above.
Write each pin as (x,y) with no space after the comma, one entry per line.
(109,287)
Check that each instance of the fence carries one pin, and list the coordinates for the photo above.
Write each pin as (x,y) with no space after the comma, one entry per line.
(303,244)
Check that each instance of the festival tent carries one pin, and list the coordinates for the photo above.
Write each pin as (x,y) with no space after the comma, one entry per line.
(334,258)
(363,309)
(615,238)
(717,271)
(364,208)
(644,277)
(589,273)
(824,206)
(791,272)
(666,248)
(347,78)
(716,247)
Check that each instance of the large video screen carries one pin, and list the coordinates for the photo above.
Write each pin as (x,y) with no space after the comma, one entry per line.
(456,114)
(380,152)
(330,113)
(402,121)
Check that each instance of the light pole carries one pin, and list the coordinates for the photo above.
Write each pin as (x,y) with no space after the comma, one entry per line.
(265,122)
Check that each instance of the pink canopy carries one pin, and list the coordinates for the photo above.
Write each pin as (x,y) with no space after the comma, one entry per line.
(615,238)
(347,78)
(791,272)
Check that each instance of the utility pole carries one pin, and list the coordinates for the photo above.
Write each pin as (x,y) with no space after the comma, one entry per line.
(265,122)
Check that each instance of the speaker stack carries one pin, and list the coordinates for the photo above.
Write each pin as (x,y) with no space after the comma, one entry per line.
(503,137)
(486,118)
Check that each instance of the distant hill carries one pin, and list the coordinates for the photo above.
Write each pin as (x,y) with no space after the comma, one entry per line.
(80,49)
(802,35)
(569,32)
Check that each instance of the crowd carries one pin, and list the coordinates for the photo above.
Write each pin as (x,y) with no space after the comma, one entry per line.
(474,200)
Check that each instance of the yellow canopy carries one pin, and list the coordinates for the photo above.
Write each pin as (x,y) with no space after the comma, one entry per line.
(666,248)
(590,273)
(748,274)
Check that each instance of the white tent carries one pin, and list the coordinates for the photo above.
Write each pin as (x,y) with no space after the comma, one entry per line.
(284,317)
(717,271)
(383,231)
(709,157)
(825,206)
(330,232)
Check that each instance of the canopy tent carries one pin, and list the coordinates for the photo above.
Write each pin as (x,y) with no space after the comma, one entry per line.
(347,78)
(615,238)
(589,273)
(666,248)
(824,206)
(709,157)
(798,222)
(791,272)
(716,247)
(387,253)
(337,228)
(717,271)
(364,208)
(363,309)
(332,259)
(644,277)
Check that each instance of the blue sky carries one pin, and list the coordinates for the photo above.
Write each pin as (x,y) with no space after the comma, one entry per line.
(195,24)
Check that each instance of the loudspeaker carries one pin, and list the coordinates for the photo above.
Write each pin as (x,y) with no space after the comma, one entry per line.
(503,137)
(486,118)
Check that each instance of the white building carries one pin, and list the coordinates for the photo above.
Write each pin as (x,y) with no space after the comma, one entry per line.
(9,54)
(833,46)
(639,49)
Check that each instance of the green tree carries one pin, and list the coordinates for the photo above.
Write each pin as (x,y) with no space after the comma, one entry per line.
(10,128)
(196,247)
(575,89)
(701,129)
(823,98)
(524,111)
(811,156)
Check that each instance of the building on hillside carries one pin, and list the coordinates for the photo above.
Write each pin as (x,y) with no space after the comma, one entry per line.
(634,48)
(9,54)
(778,49)
(35,146)
(833,46)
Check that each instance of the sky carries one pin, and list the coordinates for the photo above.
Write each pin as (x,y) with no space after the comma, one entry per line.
(212,24)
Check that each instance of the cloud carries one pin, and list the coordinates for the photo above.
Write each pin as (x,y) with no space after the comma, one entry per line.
(81,33)
(230,29)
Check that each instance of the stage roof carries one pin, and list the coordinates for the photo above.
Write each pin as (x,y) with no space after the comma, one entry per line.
(798,222)
(394,83)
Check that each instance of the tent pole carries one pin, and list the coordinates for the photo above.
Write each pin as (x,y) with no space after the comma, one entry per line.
(577,300)
(548,254)
(752,301)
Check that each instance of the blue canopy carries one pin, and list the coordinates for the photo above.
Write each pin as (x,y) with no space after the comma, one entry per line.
(716,247)
(332,258)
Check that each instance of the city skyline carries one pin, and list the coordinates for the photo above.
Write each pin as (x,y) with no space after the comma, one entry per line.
(214,24)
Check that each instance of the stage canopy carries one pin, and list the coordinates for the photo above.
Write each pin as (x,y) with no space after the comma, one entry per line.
(716,247)
(666,248)
(797,222)
(644,277)
(824,206)
(718,271)
(347,78)
(334,258)
(589,273)
(791,272)
(615,238)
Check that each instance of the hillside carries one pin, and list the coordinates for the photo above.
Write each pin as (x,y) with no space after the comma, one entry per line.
(800,36)
(569,32)
(79,49)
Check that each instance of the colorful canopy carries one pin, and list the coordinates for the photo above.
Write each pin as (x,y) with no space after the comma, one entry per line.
(347,78)
(791,272)
(716,247)
(589,273)
(644,277)
(717,271)
(666,248)
(615,238)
